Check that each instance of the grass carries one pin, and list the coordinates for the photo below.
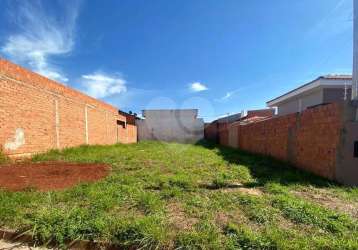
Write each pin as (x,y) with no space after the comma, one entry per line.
(176,196)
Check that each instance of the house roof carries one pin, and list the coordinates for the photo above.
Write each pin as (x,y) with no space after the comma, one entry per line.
(230,118)
(326,80)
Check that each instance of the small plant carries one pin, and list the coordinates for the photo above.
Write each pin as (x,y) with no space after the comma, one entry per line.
(149,202)
(222,180)
(205,236)
(143,233)
(257,209)
(242,237)
(182,181)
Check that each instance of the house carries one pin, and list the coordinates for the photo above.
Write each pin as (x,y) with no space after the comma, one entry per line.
(175,125)
(230,118)
(128,130)
(323,90)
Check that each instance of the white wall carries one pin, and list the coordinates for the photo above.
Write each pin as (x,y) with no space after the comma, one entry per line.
(171,125)
(300,102)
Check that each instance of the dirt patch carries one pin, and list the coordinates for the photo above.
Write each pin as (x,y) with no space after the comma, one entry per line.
(50,175)
(178,218)
(222,219)
(331,202)
(17,246)
(251,191)
(232,187)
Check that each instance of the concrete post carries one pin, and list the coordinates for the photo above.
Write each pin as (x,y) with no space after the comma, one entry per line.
(355,51)
(355,56)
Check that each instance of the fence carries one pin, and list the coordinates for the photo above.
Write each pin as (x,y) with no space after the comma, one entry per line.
(319,140)
(37,114)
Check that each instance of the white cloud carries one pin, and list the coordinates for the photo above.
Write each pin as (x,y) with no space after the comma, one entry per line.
(101,85)
(40,36)
(227,96)
(197,87)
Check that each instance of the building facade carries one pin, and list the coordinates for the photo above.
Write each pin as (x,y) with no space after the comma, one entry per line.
(323,90)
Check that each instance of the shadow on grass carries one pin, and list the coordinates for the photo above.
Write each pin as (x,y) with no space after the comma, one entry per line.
(266,169)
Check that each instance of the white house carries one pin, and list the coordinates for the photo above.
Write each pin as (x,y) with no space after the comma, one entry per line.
(324,89)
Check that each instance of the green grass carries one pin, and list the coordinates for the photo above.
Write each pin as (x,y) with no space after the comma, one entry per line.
(177,196)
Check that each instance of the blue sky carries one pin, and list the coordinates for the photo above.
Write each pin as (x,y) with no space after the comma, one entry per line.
(218,56)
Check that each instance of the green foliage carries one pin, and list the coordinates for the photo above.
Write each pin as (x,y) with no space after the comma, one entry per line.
(221,180)
(147,232)
(182,181)
(301,211)
(205,236)
(60,225)
(257,209)
(149,202)
(242,237)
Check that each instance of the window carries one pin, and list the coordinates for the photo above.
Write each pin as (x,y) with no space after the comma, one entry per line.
(356,149)
(121,123)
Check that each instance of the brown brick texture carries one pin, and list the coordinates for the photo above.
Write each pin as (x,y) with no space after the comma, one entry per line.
(51,115)
(308,140)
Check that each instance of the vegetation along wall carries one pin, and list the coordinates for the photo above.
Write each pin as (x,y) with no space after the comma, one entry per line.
(320,140)
(37,114)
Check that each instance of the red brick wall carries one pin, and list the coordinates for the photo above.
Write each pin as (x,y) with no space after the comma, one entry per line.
(51,115)
(211,131)
(308,140)
(261,112)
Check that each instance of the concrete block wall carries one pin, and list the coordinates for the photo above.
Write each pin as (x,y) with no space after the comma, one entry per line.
(37,114)
(319,140)
(171,125)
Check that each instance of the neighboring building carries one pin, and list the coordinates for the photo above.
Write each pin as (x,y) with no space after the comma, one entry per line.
(130,133)
(323,90)
(213,130)
(175,125)
(230,118)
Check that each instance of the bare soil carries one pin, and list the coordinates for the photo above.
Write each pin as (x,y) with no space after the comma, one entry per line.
(49,175)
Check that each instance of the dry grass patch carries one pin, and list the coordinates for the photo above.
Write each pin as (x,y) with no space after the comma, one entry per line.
(178,218)
(330,201)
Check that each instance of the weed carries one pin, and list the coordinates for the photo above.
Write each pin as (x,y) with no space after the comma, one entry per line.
(129,207)
(243,237)
(149,202)
(205,236)
(147,232)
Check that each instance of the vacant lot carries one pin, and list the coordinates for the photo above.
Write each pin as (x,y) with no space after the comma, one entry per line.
(161,195)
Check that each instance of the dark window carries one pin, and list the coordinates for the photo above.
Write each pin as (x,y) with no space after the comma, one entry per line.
(356,149)
(121,123)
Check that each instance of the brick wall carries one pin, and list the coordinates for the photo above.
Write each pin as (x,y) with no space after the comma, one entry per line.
(308,140)
(38,114)
(211,131)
